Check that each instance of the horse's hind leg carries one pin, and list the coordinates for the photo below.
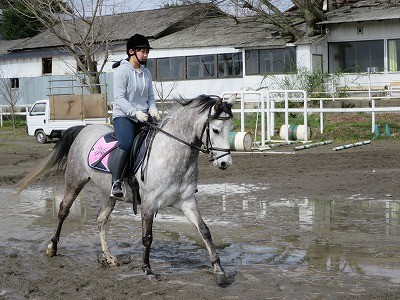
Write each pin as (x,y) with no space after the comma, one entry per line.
(70,194)
(192,212)
(106,209)
(147,239)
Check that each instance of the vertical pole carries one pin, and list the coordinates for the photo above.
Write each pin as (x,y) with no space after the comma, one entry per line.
(272,116)
(241,112)
(268,118)
(262,99)
(373,115)
(305,101)
(321,117)
(286,117)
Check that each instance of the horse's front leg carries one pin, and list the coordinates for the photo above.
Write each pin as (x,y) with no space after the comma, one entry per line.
(106,209)
(147,239)
(192,212)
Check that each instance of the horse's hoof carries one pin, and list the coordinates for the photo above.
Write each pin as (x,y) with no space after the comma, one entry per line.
(220,278)
(50,251)
(147,270)
(112,263)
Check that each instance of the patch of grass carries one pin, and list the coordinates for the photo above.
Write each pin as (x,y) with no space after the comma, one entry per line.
(338,127)
(7,132)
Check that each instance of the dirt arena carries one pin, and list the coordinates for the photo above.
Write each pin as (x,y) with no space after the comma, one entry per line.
(369,172)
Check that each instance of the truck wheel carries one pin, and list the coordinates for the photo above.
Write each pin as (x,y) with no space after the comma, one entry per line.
(41,136)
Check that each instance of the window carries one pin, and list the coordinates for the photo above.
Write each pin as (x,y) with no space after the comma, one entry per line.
(197,66)
(47,65)
(171,68)
(200,66)
(252,62)
(14,83)
(356,57)
(394,55)
(150,64)
(230,65)
(271,61)
(38,109)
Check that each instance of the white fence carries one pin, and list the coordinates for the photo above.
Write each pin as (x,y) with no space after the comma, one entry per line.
(264,105)
(21,110)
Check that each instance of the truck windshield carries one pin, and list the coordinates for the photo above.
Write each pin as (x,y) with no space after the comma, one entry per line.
(38,109)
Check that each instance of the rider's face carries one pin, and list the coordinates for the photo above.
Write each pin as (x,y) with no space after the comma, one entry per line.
(142,54)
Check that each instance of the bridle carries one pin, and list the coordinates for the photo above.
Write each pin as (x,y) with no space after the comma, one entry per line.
(208,147)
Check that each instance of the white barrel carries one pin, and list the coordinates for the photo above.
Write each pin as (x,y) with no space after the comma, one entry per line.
(241,141)
(295,133)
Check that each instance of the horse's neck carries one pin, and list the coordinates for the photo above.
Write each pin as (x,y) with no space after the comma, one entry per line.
(186,125)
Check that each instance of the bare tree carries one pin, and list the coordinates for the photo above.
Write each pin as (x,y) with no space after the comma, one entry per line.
(271,10)
(84,27)
(10,93)
(310,11)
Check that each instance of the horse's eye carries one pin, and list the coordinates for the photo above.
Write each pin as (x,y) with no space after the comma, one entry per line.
(216,131)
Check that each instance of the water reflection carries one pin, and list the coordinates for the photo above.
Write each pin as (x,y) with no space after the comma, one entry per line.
(356,235)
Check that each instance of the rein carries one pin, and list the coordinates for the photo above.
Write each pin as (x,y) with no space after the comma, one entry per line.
(208,144)
(191,145)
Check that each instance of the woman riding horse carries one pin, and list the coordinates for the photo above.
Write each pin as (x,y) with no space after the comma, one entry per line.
(134,98)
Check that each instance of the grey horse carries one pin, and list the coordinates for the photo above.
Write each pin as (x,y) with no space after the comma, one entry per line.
(168,180)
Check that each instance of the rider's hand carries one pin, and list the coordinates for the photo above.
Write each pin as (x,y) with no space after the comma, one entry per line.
(141,116)
(154,113)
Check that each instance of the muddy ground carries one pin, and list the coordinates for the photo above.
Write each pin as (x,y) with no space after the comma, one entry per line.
(183,272)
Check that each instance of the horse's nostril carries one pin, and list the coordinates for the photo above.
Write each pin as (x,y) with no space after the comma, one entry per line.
(223,164)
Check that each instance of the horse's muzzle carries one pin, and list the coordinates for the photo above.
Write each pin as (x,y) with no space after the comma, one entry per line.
(224,162)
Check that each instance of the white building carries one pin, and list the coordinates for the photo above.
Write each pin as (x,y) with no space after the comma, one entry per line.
(200,50)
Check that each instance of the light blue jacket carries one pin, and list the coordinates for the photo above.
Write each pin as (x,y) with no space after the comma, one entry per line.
(133,91)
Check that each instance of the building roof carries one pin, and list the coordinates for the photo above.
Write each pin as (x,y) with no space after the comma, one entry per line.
(365,10)
(201,25)
(224,31)
(5,45)
(150,23)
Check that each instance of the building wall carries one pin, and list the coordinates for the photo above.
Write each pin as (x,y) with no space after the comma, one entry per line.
(26,67)
(308,57)
(361,32)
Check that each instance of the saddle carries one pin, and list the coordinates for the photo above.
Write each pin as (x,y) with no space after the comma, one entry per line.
(101,156)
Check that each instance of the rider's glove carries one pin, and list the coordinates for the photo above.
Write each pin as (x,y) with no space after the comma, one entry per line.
(141,116)
(154,113)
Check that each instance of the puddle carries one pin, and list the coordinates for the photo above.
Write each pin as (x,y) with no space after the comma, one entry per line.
(357,236)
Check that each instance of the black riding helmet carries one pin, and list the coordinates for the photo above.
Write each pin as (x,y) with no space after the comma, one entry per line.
(137,41)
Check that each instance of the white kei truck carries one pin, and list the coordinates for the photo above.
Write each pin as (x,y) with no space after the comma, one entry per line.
(49,118)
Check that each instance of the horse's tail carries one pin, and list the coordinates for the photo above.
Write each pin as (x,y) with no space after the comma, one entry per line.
(54,158)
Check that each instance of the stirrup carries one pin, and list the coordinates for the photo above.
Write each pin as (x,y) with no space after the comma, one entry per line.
(123,188)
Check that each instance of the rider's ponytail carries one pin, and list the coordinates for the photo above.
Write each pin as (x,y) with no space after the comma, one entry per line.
(117,63)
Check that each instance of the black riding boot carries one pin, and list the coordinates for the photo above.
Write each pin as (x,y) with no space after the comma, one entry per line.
(119,163)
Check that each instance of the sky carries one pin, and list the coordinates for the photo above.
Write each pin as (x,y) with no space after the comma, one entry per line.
(146,4)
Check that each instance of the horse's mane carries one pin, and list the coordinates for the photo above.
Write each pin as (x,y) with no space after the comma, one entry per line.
(205,102)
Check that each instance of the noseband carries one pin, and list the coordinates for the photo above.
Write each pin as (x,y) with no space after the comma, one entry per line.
(206,129)
(208,144)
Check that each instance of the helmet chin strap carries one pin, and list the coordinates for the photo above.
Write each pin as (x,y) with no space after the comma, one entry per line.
(142,62)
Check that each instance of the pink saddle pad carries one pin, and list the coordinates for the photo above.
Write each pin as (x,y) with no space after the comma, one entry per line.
(100,152)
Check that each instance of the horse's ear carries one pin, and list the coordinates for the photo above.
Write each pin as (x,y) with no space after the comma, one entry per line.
(218,105)
(232,99)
